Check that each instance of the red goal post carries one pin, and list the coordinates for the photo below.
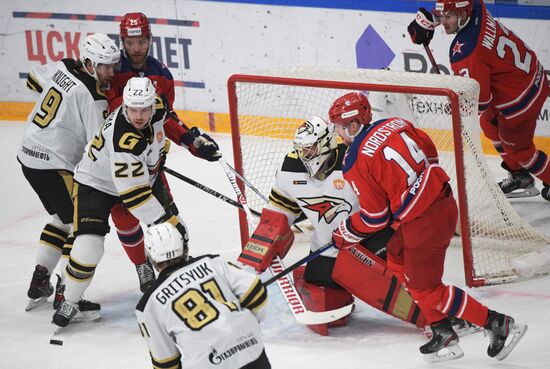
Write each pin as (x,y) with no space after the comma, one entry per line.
(267,107)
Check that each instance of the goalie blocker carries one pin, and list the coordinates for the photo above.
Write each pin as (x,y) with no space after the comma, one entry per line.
(271,237)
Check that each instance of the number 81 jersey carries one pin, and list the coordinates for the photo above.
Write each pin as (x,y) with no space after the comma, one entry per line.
(208,308)
(70,110)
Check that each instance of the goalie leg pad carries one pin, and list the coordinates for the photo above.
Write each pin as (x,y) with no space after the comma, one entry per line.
(366,277)
(271,237)
(319,298)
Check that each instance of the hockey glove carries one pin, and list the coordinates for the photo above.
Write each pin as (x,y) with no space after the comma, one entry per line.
(345,237)
(200,144)
(421,29)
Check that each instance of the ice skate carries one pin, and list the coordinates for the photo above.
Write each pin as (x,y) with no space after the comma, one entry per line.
(40,288)
(59,296)
(519,184)
(503,333)
(546,192)
(146,275)
(443,345)
(463,327)
(69,312)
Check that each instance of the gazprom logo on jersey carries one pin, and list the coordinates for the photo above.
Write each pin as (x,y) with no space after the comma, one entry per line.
(217,358)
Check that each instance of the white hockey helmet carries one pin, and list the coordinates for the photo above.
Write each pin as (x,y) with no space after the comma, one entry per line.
(163,242)
(139,92)
(99,49)
(314,142)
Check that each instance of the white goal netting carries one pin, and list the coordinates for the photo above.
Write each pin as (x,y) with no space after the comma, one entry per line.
(268,108)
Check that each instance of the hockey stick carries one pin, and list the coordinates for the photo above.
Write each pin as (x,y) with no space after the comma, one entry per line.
(292,298)
(431,57)
(256,191)
(208,190)
(298,263)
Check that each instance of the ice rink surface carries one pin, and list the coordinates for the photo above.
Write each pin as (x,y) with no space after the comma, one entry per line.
(371,340)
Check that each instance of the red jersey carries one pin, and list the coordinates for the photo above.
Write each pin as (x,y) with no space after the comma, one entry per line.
(391,166)
(162,80)
(511,78)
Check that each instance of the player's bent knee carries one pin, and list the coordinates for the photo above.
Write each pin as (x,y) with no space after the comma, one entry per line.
(85,255)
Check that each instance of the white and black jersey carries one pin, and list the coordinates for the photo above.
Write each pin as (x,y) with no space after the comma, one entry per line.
(124,162)
(71,108)
(325,202)
(209,309)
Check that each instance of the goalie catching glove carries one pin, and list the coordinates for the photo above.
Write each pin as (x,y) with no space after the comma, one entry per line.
(421,29)
(270,238)
(345,236)
(200,144)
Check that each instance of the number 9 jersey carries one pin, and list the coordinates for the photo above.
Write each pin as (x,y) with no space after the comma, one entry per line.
(71,108)
(207,307)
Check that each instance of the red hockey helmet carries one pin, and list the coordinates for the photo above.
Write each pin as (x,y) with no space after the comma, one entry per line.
(135,24)
(444,6)
(350,107)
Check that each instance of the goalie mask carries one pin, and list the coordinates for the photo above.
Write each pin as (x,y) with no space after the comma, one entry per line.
(99,49)
(163,242)
(314,143)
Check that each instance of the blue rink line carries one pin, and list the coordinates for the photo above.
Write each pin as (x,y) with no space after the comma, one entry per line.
(501,8)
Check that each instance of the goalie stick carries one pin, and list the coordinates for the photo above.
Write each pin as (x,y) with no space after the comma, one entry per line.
(292,298)
(262,196)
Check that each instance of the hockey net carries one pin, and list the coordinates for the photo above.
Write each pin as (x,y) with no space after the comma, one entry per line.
(266,108)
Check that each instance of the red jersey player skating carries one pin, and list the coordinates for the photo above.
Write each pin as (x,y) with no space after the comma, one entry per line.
(392,167)
(512,81)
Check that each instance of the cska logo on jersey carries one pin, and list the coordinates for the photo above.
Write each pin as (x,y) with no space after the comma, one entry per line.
(457,49)
(327,207)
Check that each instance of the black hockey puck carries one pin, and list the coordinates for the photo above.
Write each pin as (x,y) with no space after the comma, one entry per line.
(56,342)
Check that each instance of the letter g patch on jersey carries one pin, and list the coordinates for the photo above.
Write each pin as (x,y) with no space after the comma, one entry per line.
(327,207)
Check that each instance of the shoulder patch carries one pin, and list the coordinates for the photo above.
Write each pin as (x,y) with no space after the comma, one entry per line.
(293,164)
(126,138)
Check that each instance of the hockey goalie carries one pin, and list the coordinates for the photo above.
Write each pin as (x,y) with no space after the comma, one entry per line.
(310,182)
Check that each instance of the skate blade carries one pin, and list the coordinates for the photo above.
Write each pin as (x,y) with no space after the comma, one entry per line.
(451,352)
(34,303)
(87,316)
(517,333)
(526,192)
(466,331)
